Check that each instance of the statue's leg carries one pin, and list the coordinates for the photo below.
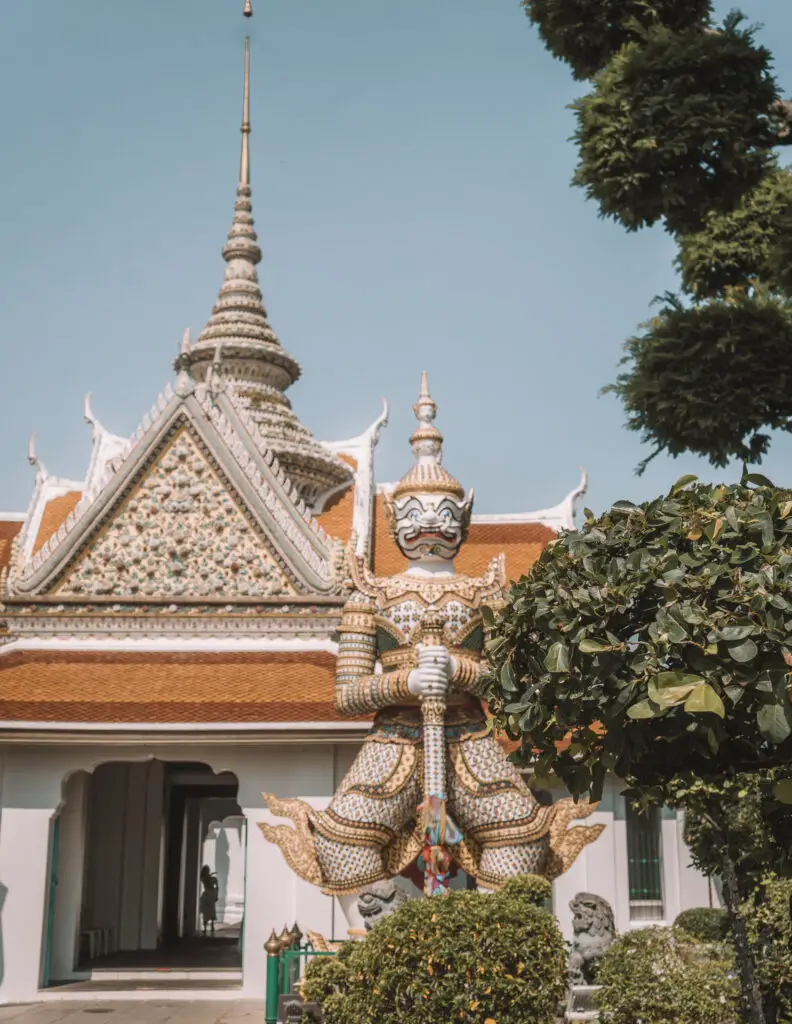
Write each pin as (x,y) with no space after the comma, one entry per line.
(496,810)
(372,810)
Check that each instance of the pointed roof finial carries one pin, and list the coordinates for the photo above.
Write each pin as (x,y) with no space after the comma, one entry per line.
(184,348)
(244,163)
(256,368)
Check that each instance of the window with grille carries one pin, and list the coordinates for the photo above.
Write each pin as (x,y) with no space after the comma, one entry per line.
(645,865)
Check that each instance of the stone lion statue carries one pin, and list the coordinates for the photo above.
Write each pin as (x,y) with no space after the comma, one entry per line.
(594,930)
(380,900)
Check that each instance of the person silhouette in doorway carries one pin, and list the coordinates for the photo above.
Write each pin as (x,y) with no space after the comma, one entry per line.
(208,902)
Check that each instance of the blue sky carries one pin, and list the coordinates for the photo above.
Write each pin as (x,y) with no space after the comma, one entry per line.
(411,174)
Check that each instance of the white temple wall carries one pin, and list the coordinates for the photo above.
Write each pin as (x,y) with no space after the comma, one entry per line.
(38,781)
(31,793)
(32,782)
(602,867)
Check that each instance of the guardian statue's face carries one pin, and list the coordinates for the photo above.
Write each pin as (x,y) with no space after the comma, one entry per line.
(429,526)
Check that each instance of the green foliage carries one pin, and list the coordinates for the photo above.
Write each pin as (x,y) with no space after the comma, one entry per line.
(710,379)
(587,33)
(707,924)
(770,930)
(326,981)
(757,830)
(744,248)
(657,637)
(678,126)
(467,957)
(657,976)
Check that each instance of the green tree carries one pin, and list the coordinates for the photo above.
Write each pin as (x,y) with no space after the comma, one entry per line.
(656,639)
(681,127)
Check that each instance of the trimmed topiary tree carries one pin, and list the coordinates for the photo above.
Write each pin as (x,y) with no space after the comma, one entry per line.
(468,956)
(680,127)
(735,252)
(710,379)
(658,976)
(707,924)
(658,142)
(587,35)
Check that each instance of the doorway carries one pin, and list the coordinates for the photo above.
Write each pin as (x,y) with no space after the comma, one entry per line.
(133,840)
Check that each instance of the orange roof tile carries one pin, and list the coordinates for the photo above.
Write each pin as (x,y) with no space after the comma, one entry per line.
(522,543)
(55,515)
(8,530)
(60,686)
(336,519)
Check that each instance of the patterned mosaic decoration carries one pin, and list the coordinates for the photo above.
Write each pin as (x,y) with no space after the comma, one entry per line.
(179,533)
(430,779)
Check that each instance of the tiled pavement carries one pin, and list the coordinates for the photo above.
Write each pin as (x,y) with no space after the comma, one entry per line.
(140,1011)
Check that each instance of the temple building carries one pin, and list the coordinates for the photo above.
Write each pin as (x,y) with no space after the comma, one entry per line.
(168,638)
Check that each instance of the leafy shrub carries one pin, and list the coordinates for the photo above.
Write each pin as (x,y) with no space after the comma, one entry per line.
(707,924)
(770,932)
(656,976)
(468,956)
(659,141)
(667,622)
(586,34)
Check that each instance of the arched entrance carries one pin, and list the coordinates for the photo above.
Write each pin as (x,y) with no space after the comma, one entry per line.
(132,838)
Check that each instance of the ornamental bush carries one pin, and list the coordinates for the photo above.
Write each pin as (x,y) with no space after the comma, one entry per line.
(678,126)
(711,379)
(770,930)
(468,956)
(656,976)
(707,924)
(586,34)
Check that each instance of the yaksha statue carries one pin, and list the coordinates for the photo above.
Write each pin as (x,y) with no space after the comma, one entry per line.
(431,781)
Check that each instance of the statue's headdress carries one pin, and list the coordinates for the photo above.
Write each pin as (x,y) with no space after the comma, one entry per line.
(428,511)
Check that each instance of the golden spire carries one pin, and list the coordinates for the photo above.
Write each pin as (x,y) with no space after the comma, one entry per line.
(244,164)
(248,11)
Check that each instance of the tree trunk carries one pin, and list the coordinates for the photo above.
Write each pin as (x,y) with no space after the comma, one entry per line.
(752,997)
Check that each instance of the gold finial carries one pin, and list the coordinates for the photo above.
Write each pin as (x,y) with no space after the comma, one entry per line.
(248,11)
(244,165)
(272,945)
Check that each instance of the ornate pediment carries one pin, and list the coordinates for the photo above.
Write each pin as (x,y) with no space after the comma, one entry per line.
(192,511)
(181,532)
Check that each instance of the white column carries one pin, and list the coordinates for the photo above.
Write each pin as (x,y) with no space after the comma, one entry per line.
(70,873)
(695,889)
(152,826)
(670,866)
(621,908)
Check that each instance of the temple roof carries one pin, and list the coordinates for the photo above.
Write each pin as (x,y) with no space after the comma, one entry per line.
(151,687)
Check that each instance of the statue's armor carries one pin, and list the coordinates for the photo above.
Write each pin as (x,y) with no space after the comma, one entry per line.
(368,832)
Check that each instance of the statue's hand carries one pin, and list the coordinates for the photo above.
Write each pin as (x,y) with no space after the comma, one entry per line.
(436,656)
